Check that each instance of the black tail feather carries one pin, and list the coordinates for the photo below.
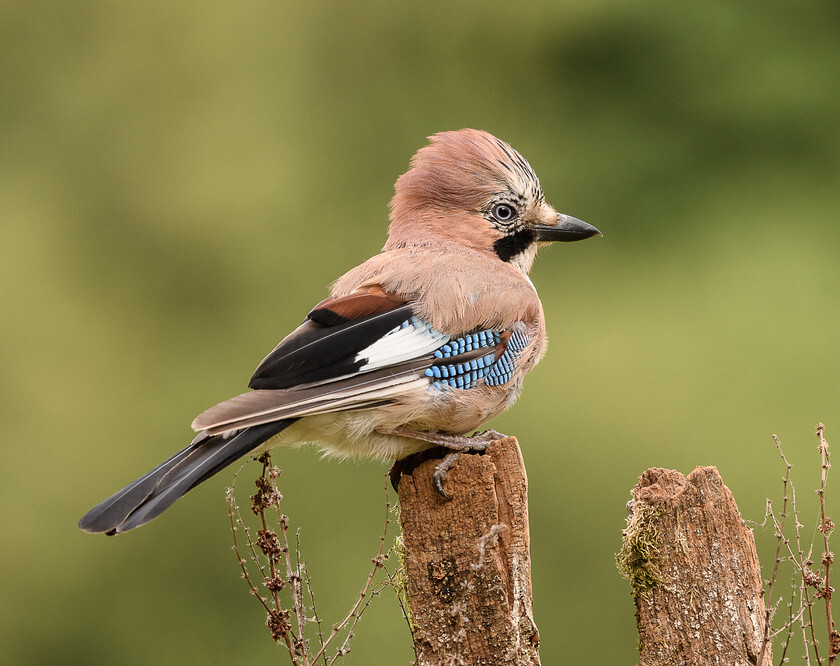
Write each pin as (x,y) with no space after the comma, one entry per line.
(154,492)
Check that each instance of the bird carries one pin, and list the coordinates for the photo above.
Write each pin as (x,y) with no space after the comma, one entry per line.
(415,348)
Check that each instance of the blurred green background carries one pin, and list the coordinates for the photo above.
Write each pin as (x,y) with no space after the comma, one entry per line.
(179,183)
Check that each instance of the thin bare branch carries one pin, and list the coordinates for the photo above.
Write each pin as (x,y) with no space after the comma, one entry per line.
(826,527)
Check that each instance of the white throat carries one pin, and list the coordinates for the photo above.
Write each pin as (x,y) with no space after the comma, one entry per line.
(525,259)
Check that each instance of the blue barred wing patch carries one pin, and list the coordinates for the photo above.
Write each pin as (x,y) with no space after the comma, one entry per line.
(469,343)
(502,370)
(467,373)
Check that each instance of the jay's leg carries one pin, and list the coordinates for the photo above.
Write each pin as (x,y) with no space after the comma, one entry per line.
(457,444)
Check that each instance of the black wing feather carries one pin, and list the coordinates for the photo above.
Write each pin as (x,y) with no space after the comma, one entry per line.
(314,352)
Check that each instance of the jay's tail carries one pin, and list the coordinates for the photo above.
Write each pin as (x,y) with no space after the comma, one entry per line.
(154,492)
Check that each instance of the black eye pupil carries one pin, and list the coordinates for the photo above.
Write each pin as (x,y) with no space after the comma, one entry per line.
(503,212)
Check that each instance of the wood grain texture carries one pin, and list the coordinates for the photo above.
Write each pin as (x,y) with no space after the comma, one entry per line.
(695,574)
(468,561)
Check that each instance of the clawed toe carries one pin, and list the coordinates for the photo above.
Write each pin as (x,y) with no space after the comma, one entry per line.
(407,465)
(488,436)
(481,440)
(441,471)
(454,444)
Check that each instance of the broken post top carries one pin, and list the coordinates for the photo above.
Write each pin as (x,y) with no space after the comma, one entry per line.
(694,571)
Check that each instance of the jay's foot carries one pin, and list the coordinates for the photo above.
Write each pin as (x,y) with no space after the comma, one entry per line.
(407,465)
(456,444)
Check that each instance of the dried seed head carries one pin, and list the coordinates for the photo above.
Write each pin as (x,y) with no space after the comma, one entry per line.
(278,623)
(269,544)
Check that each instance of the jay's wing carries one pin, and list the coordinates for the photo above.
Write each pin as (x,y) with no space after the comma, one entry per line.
(363,350)
(351,352)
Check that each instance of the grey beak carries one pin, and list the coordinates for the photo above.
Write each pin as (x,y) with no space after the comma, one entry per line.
(568,229)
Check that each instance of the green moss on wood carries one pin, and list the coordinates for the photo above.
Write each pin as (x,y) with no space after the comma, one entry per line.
(638,559)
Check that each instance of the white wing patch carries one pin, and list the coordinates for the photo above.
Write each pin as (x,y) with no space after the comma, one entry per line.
(412,339)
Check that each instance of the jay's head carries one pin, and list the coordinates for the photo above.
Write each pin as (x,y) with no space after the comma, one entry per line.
(470,188)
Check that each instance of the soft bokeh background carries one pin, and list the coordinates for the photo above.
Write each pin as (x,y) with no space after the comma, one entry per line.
(179,182)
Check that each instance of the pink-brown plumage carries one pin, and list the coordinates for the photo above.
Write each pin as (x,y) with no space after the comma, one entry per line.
(420,344)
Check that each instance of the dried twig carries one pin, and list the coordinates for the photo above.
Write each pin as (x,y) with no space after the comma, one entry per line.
(826,527)
(779,526)
(285,576)
(809,584)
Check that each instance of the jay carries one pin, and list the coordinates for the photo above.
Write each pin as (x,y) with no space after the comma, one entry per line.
(416,347)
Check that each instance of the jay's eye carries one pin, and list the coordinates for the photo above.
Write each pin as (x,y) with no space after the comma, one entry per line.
(503,212)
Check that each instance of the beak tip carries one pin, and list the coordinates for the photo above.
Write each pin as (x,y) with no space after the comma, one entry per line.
(568,228)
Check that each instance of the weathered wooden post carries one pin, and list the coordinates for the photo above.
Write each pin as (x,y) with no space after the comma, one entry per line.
(468,561)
